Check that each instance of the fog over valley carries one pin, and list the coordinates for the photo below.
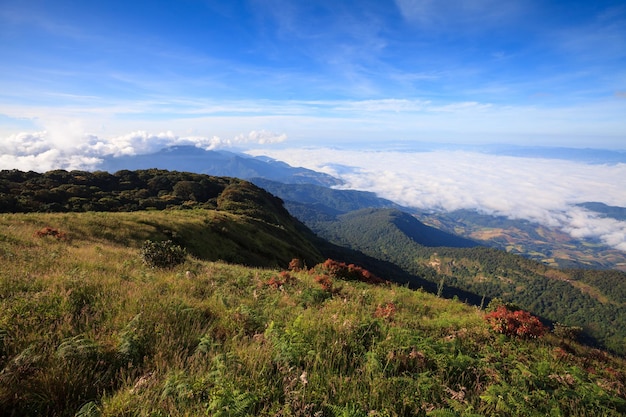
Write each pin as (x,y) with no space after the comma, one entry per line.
(545,191)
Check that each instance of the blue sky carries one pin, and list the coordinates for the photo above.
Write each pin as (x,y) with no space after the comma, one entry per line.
(312,72)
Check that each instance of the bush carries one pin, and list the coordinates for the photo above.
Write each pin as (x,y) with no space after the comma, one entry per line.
(567,332)
(51,231)
(163,254)
(347,272)
(518,323)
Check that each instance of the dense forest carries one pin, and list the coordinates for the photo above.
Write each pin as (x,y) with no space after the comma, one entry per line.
(75,191)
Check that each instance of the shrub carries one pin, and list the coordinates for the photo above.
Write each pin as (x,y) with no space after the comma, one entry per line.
(567,332)
(283,278)
(347,272)
(51,231)
(295,265)
(325,282)
(385,311)
(518,323)
(163,254)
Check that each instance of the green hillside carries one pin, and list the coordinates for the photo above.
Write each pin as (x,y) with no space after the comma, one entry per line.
(217,218)
(588,299)
(87,328)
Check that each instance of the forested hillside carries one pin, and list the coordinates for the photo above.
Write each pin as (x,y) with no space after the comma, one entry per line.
(244,224)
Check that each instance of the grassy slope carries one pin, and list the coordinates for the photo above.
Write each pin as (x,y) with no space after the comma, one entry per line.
(85,325)
(589,299)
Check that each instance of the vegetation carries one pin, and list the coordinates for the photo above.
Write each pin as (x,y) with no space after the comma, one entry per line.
(163,254)
(88,329)
(589,299)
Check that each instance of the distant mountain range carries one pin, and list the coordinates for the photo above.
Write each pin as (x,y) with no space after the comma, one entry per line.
(218,163)
(614,212)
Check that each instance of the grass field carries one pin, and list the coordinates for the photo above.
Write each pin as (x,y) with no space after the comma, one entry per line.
(87,328)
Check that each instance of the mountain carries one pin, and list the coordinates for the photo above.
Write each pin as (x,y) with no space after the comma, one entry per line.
(243,224)
(318,206)
(327,200)
(313,204)
(372,225)
(534,241)
(614,212)
(218,163)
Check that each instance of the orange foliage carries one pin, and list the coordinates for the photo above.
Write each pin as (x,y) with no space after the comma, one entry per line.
(325,282)
(283,278)
(518,323)
(349,272)
(386,311)
(295,265)
(50,231)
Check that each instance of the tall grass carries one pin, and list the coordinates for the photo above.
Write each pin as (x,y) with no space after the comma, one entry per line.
(86,328)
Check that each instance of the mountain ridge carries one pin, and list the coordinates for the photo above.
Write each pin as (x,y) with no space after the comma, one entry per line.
(218,163)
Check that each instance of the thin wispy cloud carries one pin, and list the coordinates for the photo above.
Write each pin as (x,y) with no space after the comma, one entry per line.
(544,191)
(449,15)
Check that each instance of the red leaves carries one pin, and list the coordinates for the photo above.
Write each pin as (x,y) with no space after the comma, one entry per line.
(349,272)
(386,311)
(283,278)
(50,231)
(325,282)
(295,265)
(518,323)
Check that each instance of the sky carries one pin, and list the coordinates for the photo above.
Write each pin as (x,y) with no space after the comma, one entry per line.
(337,86)
(85,74)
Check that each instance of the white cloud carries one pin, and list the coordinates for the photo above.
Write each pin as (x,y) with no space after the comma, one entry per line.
(68,148)
(540,190)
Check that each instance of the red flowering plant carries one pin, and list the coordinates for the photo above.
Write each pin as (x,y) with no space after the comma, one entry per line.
(295,265)
(284,277)
(325,282)
(350,272)
(517,323)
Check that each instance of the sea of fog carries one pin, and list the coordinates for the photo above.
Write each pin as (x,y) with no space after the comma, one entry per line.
(541,190)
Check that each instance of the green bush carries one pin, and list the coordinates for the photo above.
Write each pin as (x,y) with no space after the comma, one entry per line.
(163,254)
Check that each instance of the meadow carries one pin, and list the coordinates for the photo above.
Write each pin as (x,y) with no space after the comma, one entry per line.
(87,328)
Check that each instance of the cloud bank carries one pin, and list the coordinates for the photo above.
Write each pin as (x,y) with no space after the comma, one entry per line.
(544,191)
(44,150)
